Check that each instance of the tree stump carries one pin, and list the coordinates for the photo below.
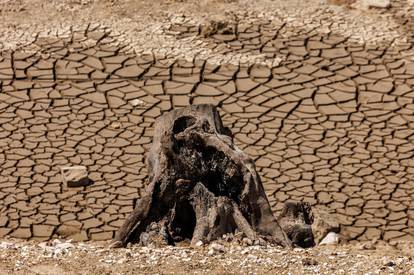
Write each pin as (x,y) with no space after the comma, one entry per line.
(201,186)
(296,219)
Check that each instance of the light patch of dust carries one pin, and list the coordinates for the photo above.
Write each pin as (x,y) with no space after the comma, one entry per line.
(143,25)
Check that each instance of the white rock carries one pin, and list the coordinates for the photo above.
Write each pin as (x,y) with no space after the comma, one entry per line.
(330,238)
(137,102)
(199,243)
(75,176)
(376,3)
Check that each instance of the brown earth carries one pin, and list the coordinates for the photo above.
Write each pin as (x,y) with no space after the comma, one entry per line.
(321,96)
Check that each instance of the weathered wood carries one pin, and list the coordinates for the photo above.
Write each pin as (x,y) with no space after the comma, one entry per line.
(201,185)
(296,219)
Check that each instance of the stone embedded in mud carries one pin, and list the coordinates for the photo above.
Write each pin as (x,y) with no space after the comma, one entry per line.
(75,176)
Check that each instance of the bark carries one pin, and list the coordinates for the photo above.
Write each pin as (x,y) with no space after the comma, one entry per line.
(296,219)
(201,186)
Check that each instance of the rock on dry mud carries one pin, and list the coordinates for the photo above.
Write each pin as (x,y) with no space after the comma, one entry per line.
(75,176)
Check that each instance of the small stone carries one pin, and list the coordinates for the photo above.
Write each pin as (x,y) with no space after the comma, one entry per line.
(116,125)
(58,248)
(330,238)
(75,176)
(218,247)
(390,263)
(210,252)
(199,243)
(137,102)
(371,245)
(309,262)
(376,3)
(247,241)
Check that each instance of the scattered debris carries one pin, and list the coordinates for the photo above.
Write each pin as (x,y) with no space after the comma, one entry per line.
(309,261)
(94,258)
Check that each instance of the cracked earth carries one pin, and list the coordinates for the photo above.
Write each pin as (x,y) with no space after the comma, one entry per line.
(319,94)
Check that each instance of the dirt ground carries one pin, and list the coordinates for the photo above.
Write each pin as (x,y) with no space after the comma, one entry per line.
(60,257)
(142,25)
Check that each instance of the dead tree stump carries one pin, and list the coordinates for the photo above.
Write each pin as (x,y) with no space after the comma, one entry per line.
(296,219)
(201,186)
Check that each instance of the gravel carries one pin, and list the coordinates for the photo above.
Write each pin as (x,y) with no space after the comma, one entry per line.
(66,257)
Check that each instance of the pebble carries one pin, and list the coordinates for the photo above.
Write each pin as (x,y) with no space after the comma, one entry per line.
(247,241)
(217,247)
(330,238)
(137,102)
(376,3)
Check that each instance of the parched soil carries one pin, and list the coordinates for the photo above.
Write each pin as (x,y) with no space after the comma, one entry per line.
(56,257)
(319,95)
